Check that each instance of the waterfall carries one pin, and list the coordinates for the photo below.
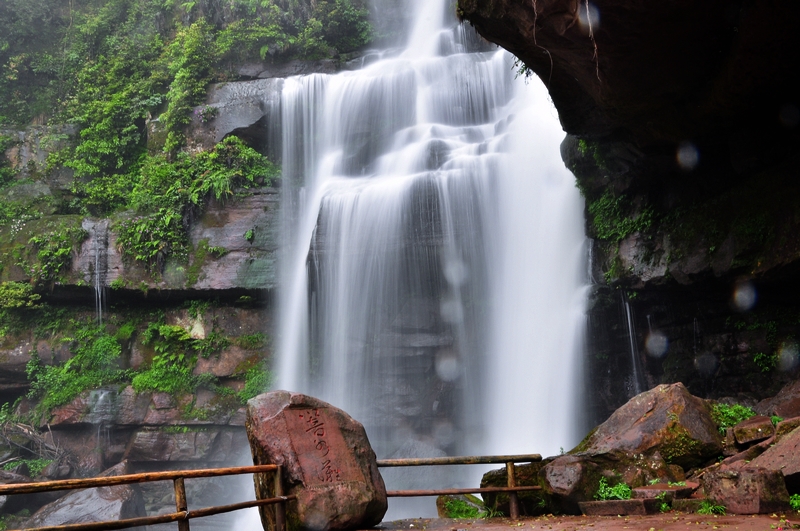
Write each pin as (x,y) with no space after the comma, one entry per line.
(98,235)
(635,382)
(434,269)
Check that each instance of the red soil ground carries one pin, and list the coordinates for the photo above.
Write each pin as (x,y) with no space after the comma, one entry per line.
(660,522)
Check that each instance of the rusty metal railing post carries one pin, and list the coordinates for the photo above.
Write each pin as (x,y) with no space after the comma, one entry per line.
(513,499)
(280,508)
(180,503)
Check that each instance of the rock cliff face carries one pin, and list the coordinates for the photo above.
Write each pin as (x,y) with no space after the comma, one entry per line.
(683,134)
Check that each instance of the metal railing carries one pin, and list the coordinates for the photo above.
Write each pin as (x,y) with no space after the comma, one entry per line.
(183,515)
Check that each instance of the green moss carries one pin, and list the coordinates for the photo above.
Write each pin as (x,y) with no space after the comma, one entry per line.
(614,219)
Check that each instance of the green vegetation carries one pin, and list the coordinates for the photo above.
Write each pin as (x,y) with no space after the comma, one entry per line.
(258,380)
(794,502)
(35,466)
(614,220)
(128,73)
(775,419)
(728,416)
(620,491)
(710,507)
(94,363)
(169,192)
(120,59)
(458,508)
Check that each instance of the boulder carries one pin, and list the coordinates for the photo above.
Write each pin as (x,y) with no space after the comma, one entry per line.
(786,427)
(754,429)
(327,463)
(748,490)
(118,502)
(783,457)
(666,420)
(530,502)
(785,404)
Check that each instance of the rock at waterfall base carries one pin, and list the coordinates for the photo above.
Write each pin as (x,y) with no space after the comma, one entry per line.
(117,502)
(748,490)
(327,463)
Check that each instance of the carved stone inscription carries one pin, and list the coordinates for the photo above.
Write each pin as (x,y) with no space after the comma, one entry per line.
(323,455)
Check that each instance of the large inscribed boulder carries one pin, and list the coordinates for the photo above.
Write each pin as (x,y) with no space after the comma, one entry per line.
(327,463)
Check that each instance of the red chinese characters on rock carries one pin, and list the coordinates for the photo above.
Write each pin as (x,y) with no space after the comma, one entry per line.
(320,448)
(316,428)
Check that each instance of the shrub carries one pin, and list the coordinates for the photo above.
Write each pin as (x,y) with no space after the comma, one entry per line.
(710,507)
(727,416)
(620,491)
(794,502)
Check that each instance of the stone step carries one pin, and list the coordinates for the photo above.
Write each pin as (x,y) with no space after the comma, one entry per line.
(631,507)
(664,491)
(688,505)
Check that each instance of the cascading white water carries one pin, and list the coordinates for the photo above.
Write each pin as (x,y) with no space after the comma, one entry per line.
(434,271)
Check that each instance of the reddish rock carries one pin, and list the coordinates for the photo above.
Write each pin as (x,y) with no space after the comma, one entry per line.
(620,507)
(666,420)
(785,404)
(664,491)
(133,407)
(747,491)
(786,427)
(225,363)
(783,456)
(744,457)
(327,462)
(754,429)
(165,446)
(92,505)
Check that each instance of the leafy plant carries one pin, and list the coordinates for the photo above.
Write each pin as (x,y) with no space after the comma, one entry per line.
(458,508)
(620,491)
(710,507)
(94,363)
(251,341)
(35,466)
(765,362)
(727,416)
(794,502)
(257,380)
(775,419)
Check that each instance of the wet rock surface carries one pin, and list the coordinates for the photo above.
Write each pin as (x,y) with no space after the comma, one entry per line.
(667,420)
(748,490)
(93,505)
(326,458)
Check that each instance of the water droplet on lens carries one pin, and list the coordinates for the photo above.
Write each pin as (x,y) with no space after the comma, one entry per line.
(706,364)
(451,311)
(455,271)
(687,156)
(744,296)
(588,17)
(788,356)
(656,344)
(447,365)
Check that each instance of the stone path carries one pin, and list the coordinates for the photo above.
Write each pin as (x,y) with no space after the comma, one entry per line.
(659,522)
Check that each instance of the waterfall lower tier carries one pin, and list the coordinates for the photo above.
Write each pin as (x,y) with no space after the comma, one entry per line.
(434,268)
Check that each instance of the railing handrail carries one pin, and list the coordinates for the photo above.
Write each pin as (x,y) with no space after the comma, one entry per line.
(127,479)
(463,460)
(183,515)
